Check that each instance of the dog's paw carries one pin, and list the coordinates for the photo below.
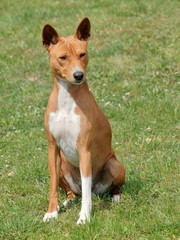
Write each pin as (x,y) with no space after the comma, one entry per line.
(83,218)
(116,198)
(48,216)
(68,202)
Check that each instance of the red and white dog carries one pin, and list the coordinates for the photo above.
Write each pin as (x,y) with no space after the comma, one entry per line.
(80,156)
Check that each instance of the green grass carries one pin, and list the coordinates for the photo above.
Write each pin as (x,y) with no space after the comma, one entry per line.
(134,74)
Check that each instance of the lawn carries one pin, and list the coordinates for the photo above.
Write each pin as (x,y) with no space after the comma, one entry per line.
(134,74)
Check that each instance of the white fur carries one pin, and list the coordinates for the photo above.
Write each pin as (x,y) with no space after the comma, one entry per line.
(67,202)
(77,69)
(48,216)
(74,186)
(116,198)
(64,124)
(86,200)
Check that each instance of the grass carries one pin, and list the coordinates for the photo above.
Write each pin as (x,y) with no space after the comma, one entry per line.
(134,75)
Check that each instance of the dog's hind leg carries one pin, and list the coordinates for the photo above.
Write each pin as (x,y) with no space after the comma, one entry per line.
(111,178)
(66,181)
(65,186)
(116,172)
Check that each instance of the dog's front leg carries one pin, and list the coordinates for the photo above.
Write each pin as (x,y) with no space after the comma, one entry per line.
(54,168)
(86,184)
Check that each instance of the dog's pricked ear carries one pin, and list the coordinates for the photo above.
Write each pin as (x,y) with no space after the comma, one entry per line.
(49,36)
(83,30)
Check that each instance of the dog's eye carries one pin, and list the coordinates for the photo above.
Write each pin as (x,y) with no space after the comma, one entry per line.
(82,55)
(62,58)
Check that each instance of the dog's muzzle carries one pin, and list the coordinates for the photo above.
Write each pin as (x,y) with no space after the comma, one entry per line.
(78,76)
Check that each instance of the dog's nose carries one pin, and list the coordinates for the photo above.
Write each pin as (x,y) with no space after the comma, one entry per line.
(78,75)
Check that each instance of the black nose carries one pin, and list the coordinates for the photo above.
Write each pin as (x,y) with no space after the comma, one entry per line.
(78,75)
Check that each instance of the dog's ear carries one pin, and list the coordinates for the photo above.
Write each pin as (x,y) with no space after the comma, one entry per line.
(83,30)
(49,36)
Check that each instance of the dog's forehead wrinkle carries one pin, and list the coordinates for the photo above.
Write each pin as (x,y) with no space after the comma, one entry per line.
(71,45)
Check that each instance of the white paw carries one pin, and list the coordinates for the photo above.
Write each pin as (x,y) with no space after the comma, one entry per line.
(68,202)
(116,198)
(83,218)
(48,216)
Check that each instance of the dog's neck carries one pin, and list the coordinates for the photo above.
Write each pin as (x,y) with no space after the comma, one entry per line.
(63,84)
(75,91)
(65,100)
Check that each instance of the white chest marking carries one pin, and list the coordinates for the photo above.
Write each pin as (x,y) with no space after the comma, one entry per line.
(64,124)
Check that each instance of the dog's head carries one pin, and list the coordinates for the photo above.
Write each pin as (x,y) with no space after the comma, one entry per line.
(68,55)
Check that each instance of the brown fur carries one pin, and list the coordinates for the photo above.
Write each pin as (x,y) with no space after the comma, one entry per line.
(96,156)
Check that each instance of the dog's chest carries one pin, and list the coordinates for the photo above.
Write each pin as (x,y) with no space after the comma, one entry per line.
(64,124)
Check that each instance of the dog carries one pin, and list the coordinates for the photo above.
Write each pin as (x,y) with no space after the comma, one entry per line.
(80,157)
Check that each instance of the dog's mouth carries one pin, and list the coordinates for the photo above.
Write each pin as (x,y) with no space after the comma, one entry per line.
(74,81)
(78,82)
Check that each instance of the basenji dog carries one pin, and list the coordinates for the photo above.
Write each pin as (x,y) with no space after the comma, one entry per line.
(80,157)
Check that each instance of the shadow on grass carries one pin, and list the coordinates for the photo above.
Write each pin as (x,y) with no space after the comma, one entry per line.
(133,186)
